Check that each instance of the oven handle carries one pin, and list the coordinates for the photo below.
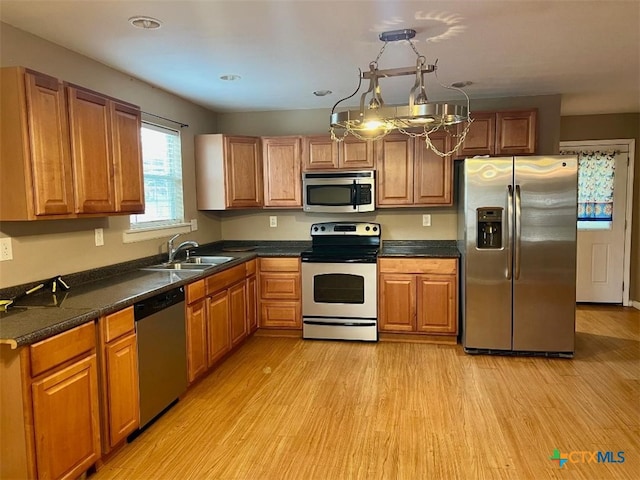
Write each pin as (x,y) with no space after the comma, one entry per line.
(340,324)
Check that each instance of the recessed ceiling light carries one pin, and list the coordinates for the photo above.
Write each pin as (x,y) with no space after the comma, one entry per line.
(146,23)
(466,83)
(322,93)
(230,77)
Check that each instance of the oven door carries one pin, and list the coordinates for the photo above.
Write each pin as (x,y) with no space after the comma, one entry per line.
(339,290)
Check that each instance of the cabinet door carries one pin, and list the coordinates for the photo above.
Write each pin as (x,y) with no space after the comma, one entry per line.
(122,386)
(91,151)
(394,160)
(354,153)
(49,144)
(320,153)
(437,300)
(197,346)
(237,312)
(252,304)
(66,424)
(282,180)
(481,137)
(127,158)
(219,341)
(396,302)
(243,172)
(516,132)
(433,179)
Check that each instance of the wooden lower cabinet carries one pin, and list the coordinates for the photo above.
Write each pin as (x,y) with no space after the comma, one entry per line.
(220,314)
(197,358)
(118,363)
(219,341)
(280,293)
(418,296)
(252,303)
(50,415)
(66,420)
(122,384)
(237,312)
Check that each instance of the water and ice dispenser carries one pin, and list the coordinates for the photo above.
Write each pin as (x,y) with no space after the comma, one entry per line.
(489,226)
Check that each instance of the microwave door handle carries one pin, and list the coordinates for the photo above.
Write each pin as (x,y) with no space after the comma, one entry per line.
(353,195)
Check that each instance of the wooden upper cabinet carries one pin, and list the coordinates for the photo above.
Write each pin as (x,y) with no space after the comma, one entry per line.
(516,132)
(282,178)
(91,151)
(322,153)
(35,162)
(127,158)
(243,171)
(433,174)
(394,160)
(500,133)
(481,137)
(354,154)
(228,172)
(66,151)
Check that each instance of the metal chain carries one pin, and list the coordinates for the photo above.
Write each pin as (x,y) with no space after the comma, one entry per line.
(375,62)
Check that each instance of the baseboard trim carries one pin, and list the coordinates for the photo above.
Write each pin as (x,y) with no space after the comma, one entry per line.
(635,304)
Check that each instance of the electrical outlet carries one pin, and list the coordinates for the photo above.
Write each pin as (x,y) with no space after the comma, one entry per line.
(6,253)
(426,220)
(194,224)
(99,233)
(273,221)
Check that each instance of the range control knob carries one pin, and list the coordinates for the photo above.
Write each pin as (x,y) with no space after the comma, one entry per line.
(367,228)
(375,229)
(315,229)
(322,228)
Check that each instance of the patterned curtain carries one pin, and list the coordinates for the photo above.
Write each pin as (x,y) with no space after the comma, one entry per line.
(596,172)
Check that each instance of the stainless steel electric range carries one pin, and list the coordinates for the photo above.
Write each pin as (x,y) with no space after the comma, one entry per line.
(339,282)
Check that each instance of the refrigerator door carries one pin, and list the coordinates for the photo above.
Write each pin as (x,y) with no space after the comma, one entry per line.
(487,302)
(545,254)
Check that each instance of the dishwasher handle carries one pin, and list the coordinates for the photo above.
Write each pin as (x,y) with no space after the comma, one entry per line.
(157,303)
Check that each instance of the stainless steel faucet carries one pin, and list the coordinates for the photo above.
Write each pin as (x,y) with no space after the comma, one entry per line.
(173,251)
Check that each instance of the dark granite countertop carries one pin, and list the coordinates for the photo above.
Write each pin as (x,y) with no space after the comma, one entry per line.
(419,248)
(102,291)
(105,290)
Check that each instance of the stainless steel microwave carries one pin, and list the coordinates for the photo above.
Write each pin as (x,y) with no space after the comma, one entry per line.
(339,191)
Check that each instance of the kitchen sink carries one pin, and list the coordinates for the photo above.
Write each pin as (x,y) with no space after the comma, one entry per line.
(197,263)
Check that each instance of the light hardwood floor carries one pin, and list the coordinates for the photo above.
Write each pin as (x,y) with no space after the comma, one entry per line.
(284,408)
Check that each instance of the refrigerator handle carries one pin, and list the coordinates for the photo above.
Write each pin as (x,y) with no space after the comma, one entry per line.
(518,221)
(508,229)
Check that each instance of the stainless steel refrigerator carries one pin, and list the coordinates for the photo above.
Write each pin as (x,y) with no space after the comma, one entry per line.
(517,237)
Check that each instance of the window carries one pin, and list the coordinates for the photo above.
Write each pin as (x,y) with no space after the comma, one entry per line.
(162,166)
(596,175)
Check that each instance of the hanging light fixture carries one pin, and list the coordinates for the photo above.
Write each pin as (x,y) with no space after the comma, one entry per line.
(418,118)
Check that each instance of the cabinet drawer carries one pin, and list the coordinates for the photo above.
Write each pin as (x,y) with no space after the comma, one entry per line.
(195,291)
(444,266)
(117,324)
(280,264)
(280,314)
(251,267)
(280,285)
(225,279)
(65,346)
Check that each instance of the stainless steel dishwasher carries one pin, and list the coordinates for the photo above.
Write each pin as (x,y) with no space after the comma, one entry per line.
(162,352)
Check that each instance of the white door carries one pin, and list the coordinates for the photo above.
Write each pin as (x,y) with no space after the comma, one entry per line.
(601,234)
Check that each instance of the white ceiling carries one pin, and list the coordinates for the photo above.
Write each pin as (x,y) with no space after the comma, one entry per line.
(588,51)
